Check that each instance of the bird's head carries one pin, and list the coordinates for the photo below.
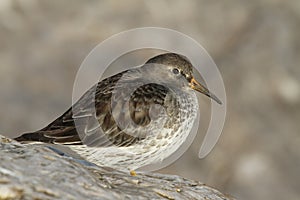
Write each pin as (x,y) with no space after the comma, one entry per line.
(179,72)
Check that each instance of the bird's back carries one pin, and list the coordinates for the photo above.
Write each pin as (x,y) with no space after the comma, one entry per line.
(98,117)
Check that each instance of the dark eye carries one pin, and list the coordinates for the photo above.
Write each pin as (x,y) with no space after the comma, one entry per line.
(175,71)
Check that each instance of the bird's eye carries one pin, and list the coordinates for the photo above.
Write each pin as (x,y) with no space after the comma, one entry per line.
(175,71)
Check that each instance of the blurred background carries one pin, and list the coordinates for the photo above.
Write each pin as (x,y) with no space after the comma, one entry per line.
(255,44)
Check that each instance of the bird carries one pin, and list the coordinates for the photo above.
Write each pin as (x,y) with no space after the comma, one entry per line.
(132,119)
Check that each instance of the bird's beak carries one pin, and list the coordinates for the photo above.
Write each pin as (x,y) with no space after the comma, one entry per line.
(195,85)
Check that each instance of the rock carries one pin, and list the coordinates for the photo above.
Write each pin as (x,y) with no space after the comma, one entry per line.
(29,171)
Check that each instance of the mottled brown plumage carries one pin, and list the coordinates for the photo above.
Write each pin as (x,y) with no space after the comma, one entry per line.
(98,119)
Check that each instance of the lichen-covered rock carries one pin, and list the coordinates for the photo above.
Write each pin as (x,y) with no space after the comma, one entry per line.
(35,172)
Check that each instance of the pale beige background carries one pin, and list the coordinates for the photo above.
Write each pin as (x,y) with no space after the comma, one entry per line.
(255,44)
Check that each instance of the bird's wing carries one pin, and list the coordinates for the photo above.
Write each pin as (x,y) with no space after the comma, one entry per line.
(81,115)
(81,123)
(91,120)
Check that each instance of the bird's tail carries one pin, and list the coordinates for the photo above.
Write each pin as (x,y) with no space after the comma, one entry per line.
(37,136)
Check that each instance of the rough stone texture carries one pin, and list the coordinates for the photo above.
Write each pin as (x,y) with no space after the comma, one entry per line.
(36,172)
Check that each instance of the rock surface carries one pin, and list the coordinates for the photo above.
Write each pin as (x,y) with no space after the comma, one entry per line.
(36,172)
